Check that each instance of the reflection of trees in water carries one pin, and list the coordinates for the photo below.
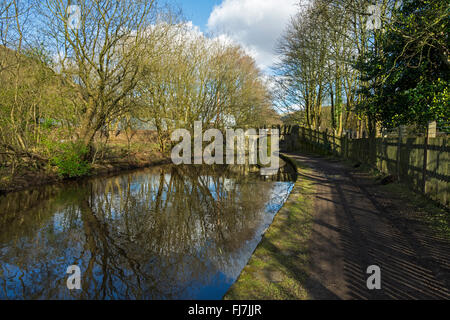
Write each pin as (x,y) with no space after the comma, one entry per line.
(149,234)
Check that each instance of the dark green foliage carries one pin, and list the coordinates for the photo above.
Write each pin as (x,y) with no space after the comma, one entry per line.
(407,73)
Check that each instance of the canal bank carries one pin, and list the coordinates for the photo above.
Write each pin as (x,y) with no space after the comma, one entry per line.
(278,267)
(35,178)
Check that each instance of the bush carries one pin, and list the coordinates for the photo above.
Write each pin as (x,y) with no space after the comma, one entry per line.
(70,160)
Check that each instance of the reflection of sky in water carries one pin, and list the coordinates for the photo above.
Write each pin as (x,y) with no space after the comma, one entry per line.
(128,247)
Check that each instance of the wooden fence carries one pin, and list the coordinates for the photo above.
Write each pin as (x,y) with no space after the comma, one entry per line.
(420,162)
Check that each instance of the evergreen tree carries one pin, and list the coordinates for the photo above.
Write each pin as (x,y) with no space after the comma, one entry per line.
(407,75)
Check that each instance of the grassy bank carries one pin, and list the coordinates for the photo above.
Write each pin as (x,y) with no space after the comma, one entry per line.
(277,269)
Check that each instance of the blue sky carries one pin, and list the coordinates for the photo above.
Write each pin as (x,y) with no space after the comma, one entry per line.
(198,11)
(256,25)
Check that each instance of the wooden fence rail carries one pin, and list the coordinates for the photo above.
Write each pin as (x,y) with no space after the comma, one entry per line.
(422,163)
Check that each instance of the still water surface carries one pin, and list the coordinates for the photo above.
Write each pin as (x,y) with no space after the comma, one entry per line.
(160,233)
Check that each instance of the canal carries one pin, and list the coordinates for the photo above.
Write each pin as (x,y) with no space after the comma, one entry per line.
(166,232)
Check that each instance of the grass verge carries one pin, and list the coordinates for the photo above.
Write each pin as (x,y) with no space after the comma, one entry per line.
(277,269)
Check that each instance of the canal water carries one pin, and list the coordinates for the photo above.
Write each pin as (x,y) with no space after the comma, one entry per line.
(168,232)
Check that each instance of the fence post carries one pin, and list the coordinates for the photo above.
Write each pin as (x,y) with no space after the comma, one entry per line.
(347,145)
(432,129)
(399,146)
(431,132)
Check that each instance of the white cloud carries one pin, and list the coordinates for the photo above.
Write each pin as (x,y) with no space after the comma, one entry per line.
(255,24)
(187,32)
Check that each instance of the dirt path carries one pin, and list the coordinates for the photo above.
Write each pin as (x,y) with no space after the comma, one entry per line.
(356,224)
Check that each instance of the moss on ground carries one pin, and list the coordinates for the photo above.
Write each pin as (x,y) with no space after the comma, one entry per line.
(277,269)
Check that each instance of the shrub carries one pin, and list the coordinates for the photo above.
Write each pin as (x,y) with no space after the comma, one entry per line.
(70,160)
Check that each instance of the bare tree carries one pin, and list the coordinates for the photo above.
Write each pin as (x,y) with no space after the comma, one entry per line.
(99,56)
